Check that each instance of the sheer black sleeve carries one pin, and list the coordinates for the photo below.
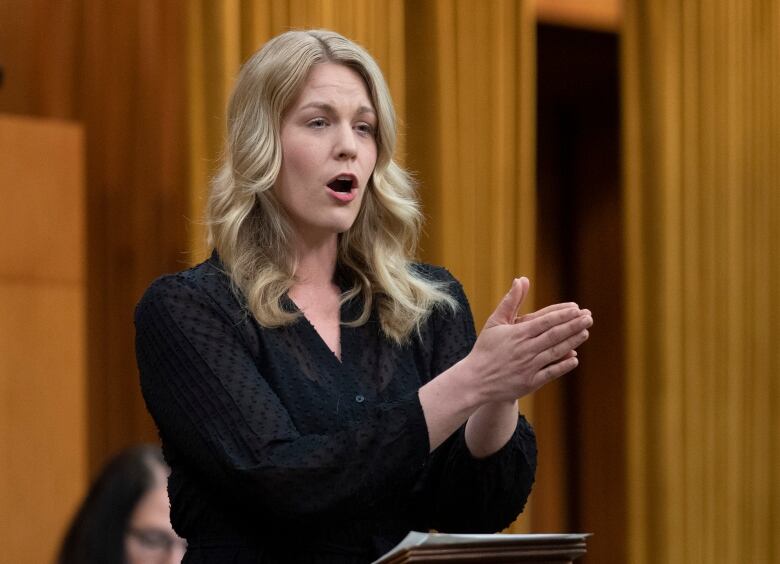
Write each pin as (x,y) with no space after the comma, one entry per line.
(203,386)
(468,494)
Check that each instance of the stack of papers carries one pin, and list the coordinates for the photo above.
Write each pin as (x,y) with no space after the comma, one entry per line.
(435,541)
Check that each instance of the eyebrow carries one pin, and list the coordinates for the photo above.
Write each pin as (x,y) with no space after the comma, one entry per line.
(328,108)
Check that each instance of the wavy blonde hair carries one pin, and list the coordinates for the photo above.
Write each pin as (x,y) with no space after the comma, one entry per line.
(251,231)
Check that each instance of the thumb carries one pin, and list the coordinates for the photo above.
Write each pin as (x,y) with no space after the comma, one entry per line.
(507,308)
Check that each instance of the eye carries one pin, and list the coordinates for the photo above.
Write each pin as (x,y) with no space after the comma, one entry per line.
(365,128)
(317,123)
(153,539)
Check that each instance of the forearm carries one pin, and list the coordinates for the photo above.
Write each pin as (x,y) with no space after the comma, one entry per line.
(490,427)
(454,398)
(448,401)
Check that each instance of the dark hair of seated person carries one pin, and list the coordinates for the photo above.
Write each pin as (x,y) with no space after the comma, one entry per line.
(97,532)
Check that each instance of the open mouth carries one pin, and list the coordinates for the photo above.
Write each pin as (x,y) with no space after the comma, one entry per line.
(342,184)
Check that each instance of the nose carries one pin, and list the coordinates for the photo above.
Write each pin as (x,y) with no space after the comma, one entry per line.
(345,145)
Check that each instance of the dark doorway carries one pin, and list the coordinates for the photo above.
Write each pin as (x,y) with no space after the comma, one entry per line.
(580,419)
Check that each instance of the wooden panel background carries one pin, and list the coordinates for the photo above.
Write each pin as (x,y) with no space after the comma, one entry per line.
(118,68)
(133,106)
(43,380)
(702,209)
(40,42)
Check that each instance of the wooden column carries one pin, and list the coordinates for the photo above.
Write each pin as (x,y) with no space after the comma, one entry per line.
(133,106)
(43,364)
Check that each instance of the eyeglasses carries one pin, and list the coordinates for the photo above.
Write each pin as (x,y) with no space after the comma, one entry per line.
(156,543)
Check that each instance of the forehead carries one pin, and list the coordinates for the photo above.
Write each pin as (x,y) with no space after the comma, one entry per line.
(335,84)
(152,509)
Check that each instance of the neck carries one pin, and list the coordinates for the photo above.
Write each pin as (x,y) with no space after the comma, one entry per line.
(316,261)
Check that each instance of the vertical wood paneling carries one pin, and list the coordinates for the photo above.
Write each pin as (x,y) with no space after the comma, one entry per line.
(214,52)
(43,376)
(701,186)
(40,48)
(133,108)
(473,146)
(692,461)
(636,344)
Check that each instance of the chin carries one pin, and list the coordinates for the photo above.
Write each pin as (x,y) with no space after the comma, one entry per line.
(343,228)
(342,224)
(326,224)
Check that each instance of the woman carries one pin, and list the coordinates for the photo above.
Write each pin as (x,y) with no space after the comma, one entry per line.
(319,394)
(125,517)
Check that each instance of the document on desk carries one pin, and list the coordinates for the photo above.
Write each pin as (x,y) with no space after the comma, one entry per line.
(418,540)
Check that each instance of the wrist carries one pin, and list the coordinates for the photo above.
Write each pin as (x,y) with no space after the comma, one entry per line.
(466,375)
(447,401)
(490,427)
(500,405)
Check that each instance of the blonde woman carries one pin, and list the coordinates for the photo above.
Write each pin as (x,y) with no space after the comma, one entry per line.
(318,393)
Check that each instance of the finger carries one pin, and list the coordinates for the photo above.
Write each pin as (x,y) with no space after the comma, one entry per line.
(562,350)
(554,371)
(558,334)
(548,309)
(507,307)
(544,323)
(525,285)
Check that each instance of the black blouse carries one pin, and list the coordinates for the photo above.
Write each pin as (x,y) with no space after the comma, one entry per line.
(279,452)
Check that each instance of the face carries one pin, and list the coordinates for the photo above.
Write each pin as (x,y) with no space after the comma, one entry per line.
(150,538)
(328,152)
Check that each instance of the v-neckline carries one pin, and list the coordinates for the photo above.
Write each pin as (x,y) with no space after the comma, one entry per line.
(340,280)
(318,337)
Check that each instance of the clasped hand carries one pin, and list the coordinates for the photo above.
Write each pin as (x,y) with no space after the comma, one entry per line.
(515,356)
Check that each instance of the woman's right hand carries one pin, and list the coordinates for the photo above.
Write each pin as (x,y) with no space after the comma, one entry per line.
(512,357)
(515,356)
